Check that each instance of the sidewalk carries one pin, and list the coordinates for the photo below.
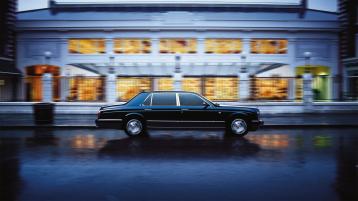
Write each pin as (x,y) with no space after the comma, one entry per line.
(271,120)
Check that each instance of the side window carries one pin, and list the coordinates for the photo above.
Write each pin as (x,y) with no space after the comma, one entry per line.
(188,99)
(168,99)
(147,100)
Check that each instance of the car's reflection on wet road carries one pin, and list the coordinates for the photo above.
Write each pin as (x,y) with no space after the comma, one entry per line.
(308,164)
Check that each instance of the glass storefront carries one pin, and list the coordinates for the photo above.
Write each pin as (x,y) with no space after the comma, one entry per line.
(221,89)
(270,88)
(223,46)
(127,88)
(87,46)
(132,46)
(86,89)
(269,46)
(192,84)
(165,84)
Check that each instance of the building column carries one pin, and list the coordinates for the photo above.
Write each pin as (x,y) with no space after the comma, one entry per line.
(201,45)
(178,77)
(155,46)
(47,87)
(246,48)
(109,45)
(65,84)
(244,86)
(307,92)
(291,51)
(111,88)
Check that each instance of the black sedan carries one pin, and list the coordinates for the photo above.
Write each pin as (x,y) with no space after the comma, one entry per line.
(177,109)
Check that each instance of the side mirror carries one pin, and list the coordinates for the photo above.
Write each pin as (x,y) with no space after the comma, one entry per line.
(217,104)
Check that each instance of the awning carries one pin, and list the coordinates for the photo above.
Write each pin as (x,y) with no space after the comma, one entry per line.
(8,68)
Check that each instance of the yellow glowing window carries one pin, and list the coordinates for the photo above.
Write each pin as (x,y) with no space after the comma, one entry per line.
(223,46)
(86,46)
(178,46)
(86,89)
(192,84)
(271,88)
(165,84)
(221,88)
(127,88)
(269,46)
(132,46)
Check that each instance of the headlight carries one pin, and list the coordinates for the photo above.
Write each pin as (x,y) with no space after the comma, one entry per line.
(258,113)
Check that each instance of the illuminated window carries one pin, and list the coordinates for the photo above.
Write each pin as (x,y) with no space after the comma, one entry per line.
(268,46)
(86,46)
(223,46)
(221,88)
(192,84)
(178,46)
(271,88)
(127,88)
(86,89)
(132,46)
(165,84)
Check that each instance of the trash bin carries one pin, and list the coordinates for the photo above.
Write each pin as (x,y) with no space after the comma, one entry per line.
(43,113)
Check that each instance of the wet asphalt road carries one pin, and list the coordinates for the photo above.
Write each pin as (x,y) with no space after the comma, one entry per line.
(80,164)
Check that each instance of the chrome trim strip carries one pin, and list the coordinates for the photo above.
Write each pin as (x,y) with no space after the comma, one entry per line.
(185,127)
(186,121)
(110,119)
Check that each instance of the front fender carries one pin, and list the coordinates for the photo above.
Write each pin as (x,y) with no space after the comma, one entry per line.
(241,115)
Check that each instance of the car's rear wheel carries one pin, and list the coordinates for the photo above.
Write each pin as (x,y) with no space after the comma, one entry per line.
(134,127)
(237,127)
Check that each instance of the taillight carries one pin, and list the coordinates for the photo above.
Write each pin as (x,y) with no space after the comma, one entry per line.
(98,114)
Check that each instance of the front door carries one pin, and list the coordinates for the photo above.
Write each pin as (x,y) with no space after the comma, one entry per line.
(196,112)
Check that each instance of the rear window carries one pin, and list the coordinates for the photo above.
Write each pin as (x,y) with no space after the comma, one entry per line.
(168,99)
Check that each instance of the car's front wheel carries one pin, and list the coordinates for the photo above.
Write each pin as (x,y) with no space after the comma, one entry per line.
(134,127)
(237,127)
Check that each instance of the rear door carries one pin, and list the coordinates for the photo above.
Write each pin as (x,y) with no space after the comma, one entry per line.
(196,112)
(163,110)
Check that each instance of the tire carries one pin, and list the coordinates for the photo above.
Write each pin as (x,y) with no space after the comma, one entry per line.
(237,127)
(134,127)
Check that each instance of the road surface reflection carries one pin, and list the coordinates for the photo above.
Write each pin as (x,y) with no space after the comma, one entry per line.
(85,164)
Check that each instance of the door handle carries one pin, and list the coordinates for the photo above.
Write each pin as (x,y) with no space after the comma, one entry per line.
(147,109)
(184,109)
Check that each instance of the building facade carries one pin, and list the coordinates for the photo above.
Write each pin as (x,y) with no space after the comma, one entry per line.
(8,72)
(348,17)
(227,52)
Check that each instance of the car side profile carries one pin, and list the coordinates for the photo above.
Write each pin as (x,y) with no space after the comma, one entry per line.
(177,109)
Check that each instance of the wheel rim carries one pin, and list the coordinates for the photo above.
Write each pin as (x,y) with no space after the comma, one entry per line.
(134,126)
(238,126)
